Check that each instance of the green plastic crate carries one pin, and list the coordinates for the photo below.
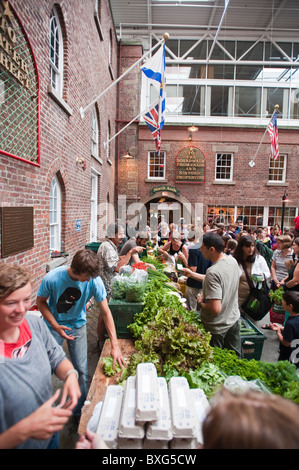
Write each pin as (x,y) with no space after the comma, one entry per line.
(252,344)
(93,246)
(123,314)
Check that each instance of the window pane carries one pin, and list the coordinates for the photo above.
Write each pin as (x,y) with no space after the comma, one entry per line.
(247,101)
(251,215)
(156,165)
(223,166)
(276,169)
(274,96)
(247,51)
(219,100)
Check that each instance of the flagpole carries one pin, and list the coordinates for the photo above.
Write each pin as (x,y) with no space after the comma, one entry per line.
(83,111)
(127,125)
(251,163)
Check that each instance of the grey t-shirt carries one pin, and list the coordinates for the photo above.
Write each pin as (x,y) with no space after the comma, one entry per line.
(222,282)
(25,382)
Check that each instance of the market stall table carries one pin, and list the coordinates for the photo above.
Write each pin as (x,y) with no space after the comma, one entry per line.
(100,382)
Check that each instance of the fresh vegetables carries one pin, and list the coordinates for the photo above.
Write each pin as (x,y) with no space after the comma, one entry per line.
(276,296)
(108,369)
(119,287)
(140,265)
(174,339)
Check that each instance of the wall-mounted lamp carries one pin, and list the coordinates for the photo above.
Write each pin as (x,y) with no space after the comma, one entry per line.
(81,162)
(192,129)
(127,155)
(285,199)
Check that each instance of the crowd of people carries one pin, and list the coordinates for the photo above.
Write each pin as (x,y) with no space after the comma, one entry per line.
(223,263)
(215,260)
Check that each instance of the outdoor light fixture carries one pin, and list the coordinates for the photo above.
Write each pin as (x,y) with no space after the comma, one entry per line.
(127,155)
(192,129)
(285,199)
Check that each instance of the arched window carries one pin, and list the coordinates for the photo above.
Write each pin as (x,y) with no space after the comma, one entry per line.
(55,215)
(56,53)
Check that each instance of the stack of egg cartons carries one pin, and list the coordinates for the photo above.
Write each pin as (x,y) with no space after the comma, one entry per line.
(109,418)
(149,414)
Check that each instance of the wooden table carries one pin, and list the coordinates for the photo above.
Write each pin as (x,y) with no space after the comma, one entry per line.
(100,382)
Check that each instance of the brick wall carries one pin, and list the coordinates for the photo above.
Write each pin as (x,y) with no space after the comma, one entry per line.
(249,185)
(64,137)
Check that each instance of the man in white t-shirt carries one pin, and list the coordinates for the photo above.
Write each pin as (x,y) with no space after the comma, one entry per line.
(219,300)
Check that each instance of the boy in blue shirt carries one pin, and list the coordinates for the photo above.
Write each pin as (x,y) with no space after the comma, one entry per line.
(288,334)
(61,299)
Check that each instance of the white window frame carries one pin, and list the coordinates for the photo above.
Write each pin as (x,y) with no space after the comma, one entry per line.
(162,159)
(55,215)
(272,164)
(94,205)
(108,148)
(218,155)
(94,134)
(56,69)
(97,18)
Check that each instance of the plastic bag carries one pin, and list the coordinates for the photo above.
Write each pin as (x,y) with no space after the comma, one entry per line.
(119,286)
(136,285)
(126,270)
(235,384)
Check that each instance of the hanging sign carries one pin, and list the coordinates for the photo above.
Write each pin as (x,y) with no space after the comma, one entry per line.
(190,166)
(165,187)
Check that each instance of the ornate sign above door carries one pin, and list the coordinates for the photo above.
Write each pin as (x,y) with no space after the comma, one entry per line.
(190,166)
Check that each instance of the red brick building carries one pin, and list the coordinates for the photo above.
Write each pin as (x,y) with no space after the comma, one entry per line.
(71,51)
(60,182)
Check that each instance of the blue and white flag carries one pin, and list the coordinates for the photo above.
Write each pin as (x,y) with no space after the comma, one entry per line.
(154,69)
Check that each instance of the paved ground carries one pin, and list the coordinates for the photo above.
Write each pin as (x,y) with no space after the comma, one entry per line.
(69,436)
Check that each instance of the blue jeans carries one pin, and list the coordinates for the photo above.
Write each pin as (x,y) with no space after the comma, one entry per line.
(78,353)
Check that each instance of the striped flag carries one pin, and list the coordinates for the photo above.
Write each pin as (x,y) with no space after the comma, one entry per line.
(152,120)
(154,69)
(273,133)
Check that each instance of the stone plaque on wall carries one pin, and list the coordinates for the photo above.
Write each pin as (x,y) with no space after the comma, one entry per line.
(190,166)
(16,230)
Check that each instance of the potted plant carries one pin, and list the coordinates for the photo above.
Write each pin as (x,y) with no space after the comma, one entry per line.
(277,314)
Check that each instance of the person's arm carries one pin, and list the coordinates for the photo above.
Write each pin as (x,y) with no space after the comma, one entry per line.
(295,281)
(71,390)
(191,272)
(279,329)
(183,256)
(165,248)
(43,307)
(41,424)
(273,273)
(110,327)
(212,306)
(123,260)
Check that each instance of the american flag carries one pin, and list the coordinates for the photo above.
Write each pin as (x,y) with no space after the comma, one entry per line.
(152,120)
(273,132)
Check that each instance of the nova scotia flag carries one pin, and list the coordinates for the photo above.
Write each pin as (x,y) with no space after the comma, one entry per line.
(154,69)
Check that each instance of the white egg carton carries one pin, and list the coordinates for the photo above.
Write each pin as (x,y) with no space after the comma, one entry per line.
(110,414)
(128,427)
(201,406)
(161,429)
(147,393)
(126,443)
(155,444)
(183,443)
(182,412)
